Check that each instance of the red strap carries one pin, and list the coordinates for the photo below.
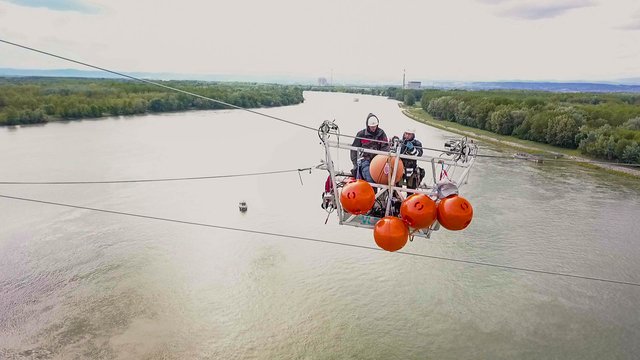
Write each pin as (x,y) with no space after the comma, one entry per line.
(443,173)
(328,186)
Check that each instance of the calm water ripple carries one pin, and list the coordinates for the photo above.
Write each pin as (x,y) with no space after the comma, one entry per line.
(76,284)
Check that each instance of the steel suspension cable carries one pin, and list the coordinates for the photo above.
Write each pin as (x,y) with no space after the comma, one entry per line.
(152,180)
(158,84)
(179,90)
(303,238)
(449,152)
(245,109)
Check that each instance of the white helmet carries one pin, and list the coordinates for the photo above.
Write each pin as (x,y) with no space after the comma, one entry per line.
(410,130)
(372,120)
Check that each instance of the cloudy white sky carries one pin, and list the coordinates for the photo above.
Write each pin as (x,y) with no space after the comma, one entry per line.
(357,39)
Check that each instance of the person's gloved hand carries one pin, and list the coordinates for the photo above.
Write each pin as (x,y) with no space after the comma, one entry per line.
(409,146)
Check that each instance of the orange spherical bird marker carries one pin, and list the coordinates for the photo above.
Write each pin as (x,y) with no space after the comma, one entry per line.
(418,211)
(381,168)
(391,233)
(357,197)
(454,212)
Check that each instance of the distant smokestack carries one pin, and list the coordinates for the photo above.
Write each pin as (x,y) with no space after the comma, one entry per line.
(403,78)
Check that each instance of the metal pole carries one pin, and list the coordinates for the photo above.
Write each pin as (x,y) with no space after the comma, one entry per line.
(332,175)
(409,157)
(465,174)
(433,171)
(392,180)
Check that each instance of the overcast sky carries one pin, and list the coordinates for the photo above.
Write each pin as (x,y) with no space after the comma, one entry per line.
(367,40)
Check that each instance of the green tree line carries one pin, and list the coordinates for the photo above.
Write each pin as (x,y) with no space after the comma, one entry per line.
(365,90)
(604,125)
(601,125)
(38,100)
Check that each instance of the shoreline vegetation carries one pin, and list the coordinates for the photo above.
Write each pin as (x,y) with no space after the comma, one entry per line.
(34,100)
(589,128)
(531,147)
(603,126)
(586,127)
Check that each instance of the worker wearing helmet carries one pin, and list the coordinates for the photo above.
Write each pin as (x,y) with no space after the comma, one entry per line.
(411,146)
(371,137)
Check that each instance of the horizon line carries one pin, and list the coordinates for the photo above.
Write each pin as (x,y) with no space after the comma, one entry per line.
(14,72)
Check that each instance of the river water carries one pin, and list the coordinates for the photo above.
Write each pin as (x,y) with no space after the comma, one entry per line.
(77,284)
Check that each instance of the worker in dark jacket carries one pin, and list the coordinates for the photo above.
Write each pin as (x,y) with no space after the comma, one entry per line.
(411,146)
(371,137)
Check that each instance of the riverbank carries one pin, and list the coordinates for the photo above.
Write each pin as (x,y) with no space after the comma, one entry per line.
(40,100)
(546,150)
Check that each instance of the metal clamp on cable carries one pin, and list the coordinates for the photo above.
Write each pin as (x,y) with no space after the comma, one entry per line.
(327,128)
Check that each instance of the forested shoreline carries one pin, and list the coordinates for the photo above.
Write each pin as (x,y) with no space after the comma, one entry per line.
(31,100)
(600,125)
(605,126)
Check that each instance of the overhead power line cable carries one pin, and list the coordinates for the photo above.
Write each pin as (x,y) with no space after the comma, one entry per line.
(152,180)
(303,238)
(561,160)
(159,84)
(586,161)
(249,110)
(180,90)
